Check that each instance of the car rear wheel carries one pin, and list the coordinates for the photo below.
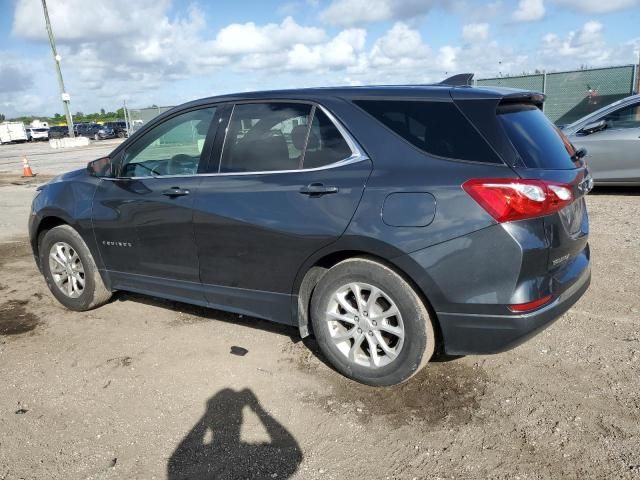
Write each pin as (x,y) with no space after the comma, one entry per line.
(70,271)
(96,136)
(120,134)
(370,323)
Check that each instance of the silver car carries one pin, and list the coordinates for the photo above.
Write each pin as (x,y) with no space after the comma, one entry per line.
(611,137)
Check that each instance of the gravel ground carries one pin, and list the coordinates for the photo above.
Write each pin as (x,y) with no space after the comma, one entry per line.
(146,388)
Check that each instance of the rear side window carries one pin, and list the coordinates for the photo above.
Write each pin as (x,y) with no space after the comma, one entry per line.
(265,137)
(538,141)
(325,144)
(438,128)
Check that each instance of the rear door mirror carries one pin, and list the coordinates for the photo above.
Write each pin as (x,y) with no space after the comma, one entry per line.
(593,127)
(102,167)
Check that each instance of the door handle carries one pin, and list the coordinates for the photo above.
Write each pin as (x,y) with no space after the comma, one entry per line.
(318,189)
(176,192)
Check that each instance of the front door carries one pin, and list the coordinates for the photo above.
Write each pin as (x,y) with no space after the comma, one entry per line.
(143,218)
(613,154)
(288,184)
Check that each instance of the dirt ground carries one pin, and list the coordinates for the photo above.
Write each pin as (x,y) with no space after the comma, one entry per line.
(146,388)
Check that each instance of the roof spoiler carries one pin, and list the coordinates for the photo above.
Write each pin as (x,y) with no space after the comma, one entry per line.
(460,80)
(535,98)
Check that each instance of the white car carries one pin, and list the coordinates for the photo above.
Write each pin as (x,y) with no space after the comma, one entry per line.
(35,134)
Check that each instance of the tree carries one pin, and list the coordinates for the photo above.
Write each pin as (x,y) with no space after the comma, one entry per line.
(2,117)
(102,111)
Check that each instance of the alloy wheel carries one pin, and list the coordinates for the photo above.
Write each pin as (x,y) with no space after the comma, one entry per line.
(67,269)
(365,324)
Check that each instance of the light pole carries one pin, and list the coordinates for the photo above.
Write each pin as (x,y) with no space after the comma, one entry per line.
(56,59)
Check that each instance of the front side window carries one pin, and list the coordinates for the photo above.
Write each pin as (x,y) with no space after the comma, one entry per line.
(172,148)
(627,117)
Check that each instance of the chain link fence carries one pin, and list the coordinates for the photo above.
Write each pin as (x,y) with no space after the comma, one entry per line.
(573,94)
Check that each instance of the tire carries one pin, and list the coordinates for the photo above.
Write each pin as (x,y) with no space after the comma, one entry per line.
(96,137)
(68,243)
(405,356)
(120,134)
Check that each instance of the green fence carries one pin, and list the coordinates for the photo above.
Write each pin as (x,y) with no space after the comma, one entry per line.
(571,95)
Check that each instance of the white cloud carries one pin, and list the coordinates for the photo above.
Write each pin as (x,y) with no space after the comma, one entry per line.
(474,32)
(584,45)
(355,12)
(529,11)
(244,38)
(598,6)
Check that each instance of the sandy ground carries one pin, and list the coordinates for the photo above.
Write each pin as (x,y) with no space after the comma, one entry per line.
(145,388)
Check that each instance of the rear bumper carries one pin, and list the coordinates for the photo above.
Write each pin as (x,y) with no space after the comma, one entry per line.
(467,333)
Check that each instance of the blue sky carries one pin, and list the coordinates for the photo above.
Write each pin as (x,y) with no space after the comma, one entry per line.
(166,52)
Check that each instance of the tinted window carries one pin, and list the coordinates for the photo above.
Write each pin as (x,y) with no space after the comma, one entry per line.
(172,148)
(325,144)
(265,136)
(627,117)
(438,128)
(538,141)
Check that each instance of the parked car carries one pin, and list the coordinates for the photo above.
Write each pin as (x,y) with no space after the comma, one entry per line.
(35,134)
(389,221)
(119,127)
(58,132)
(611,137)
(95,131)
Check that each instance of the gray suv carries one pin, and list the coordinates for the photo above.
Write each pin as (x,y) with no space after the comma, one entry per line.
(389,222)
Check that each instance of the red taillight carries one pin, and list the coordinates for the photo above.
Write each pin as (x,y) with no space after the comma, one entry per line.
(507,199)
(525,307)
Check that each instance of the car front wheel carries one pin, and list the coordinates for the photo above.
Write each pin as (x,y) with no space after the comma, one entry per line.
(370,323)
(70,271)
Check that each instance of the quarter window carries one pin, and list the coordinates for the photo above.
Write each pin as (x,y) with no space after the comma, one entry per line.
(438,128)
(627,117)
(172,148)
(325,144)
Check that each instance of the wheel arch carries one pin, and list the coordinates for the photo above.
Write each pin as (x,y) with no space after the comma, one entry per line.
(310,274)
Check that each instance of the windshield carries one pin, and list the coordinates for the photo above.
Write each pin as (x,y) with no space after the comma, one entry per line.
(539,142)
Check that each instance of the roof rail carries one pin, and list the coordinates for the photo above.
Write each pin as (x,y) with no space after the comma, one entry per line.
(460,80)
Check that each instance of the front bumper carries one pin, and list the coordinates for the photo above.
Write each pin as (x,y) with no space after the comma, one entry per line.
(467,333)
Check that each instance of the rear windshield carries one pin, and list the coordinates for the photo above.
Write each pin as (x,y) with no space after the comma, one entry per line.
(438,128)
(539,142)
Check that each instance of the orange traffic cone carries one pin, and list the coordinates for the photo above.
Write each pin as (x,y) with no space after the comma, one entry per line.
(26,169)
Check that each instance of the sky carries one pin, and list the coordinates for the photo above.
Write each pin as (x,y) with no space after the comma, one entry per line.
(167,52)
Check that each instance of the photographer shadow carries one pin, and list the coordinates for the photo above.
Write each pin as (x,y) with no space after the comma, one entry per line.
(213,448)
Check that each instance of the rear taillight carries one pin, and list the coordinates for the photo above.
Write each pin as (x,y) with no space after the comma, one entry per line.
(507,199)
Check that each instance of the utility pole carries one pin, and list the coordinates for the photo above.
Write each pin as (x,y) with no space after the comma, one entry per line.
(56,59)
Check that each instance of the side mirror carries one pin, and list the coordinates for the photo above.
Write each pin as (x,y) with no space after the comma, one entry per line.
(102,167)
(593,127)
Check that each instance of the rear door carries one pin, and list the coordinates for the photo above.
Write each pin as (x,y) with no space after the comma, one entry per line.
(288,183)
(143,219)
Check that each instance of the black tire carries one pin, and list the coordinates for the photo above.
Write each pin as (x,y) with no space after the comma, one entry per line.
(419,336)
(94,292)
(120,134)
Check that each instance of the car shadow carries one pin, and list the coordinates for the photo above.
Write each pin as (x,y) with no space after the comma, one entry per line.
(611,190)
(213,448)
(206,313)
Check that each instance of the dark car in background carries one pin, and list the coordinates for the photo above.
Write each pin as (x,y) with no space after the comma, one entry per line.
(58,132)
(95,131)
(119,127)
(611,137)
(390,222)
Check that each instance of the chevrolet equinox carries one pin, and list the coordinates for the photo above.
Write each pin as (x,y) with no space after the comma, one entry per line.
(390,222)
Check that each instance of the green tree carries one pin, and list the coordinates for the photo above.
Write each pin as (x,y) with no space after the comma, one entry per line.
(2,117)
